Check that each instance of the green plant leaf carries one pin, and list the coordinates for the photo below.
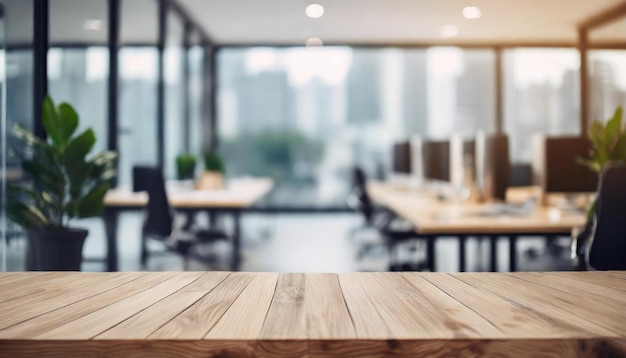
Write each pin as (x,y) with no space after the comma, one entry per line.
(68,121)
(74,159)
(50,121)
(48,176)
(619,149)
(613,127)
(92,203)
(26,216)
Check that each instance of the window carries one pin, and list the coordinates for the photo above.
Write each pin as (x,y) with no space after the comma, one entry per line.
(306,116)
(607,82)
(137,122)
(542,95)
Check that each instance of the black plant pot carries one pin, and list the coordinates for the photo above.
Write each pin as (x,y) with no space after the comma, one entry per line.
(56,250)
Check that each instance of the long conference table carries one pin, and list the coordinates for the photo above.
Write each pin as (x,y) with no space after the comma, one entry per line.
(237,196)
(223,314)
(433,218)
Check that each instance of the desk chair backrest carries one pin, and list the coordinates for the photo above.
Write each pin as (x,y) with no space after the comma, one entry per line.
(365,203)
(608,248)
(158,220)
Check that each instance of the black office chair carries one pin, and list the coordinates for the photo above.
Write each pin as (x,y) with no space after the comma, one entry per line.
(393,229)
(607,250)
(159,222)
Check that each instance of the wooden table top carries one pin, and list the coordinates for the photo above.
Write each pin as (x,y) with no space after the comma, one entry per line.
(431,216)
(293,314)
(237,194)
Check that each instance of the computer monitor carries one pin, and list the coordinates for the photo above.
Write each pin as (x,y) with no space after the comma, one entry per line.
(402,158)
(493,166)
(556,167)
(436,160)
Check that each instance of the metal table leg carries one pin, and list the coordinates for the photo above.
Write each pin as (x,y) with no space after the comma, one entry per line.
(110,216)
(513,253)
(462,240)
(236,259)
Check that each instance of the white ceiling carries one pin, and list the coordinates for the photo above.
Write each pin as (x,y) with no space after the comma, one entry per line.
(395,21)
(345,21)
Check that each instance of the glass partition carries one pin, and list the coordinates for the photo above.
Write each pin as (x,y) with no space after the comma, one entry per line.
(607,82)
(197,98)
(541,95)
(174,100)
(137,117)
(306,115)
(16,73)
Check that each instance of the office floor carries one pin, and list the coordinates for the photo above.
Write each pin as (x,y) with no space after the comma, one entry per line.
(301,243)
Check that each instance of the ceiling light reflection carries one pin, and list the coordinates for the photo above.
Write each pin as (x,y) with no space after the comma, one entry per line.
(471,12)
(314,11)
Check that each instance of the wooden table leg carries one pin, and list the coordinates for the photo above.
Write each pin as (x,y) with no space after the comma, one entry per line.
(110,216)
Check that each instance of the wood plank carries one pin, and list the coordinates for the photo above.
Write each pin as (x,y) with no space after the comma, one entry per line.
(327,315)
(27,284)
(553,303)
(286,317)
(618,274)
(92,324)
(581,297)
(515,320)
(596,277)
(574,286)
(245,317)
(44,322)
(152,318)
(196,321)
(56,295)
(368,323)
(449,311)
(408,313)
(444,348)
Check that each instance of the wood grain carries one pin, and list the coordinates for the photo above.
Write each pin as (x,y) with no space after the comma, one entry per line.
(313,315)
(286,318)
(513,319)
(562,306)
(245,317)
(144,323)
(195,321)
(90,325)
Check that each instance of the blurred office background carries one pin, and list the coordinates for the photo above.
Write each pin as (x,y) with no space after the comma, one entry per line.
(302,115)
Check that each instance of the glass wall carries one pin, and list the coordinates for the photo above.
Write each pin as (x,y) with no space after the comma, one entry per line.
(80,76)
(541,95)
(196,100)
(137,116)
(174,95)
(16,77)
(607,82)
(306,115)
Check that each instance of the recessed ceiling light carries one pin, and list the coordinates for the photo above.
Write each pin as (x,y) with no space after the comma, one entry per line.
(448,31)
(314,11)
(93,25)
(471,12)
(314,41)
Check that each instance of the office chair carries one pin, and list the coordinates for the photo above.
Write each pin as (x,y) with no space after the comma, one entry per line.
(393,230)
(159,223)
(607,250)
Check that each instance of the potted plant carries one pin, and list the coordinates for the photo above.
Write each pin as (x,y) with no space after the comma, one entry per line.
(63,185)
(186,166)
(608,144)
(213,176)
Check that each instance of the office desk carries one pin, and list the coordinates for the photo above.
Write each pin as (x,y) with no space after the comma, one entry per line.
(409,314)
(236,197)
(433,218)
